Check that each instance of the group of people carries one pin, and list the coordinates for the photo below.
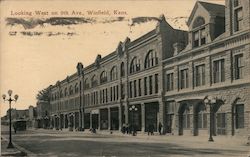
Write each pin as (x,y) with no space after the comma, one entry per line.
(151,129)
(128,129)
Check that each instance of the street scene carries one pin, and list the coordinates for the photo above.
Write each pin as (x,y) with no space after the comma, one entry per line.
(43,142)
(156,78)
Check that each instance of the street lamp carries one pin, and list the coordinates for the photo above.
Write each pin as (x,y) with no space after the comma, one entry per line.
(133,109)
(10,145)
(209,100)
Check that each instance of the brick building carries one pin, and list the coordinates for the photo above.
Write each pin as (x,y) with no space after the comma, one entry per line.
(165,76)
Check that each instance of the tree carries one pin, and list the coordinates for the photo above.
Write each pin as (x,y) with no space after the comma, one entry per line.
(43,95)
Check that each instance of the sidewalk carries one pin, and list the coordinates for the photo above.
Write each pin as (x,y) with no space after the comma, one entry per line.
(10,152)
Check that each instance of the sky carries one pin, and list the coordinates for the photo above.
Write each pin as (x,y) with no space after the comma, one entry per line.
(38,49)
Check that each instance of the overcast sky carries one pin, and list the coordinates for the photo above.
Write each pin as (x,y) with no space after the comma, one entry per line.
(33,56)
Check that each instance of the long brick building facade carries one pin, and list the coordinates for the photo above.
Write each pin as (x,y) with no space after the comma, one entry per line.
(167,76)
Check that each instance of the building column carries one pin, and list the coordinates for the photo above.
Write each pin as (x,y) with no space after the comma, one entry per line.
(126,112)
(109,119)
(99,120)
(120,117)
(90,121)
(142,117)
(191,119)
(83,119)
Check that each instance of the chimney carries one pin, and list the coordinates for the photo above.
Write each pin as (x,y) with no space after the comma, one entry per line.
(178,47)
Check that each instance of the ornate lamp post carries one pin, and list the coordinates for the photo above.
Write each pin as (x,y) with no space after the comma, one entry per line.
(10,145)
(133,109)
(210,101)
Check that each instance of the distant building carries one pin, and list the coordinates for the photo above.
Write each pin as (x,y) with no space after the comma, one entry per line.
(42,114)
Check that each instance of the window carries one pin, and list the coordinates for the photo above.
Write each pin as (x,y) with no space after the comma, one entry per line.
(239,116)
(122,69)
(238,14)
(101,96)
(70,90)
(130,89)
(106,93)
(65,92)
(170,82)
(135,89)
(93,81)
(117,92)
(238,67)
(236,3)
(76,88)
(156,83)
(86,84)
(151,59)
(199,37)
(184,78)
(218,71)
(111,93)
(113,73)
(103,77)
(135,65)
(150,85)
(139,87)
(145,86)
(186,118)
(200,75)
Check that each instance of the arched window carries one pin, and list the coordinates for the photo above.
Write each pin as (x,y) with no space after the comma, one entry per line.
(135,65)
(199,21)
(70,90)
(122,69)
(61,94)
(86,83)
(65,92)
(113,73)
(151,59)
(103,77)
(76,88)
(93,81)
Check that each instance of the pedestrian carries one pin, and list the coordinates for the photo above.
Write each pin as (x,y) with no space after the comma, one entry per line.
(15,127)
(127,128)
(160,128)
(123,128)
(151,129)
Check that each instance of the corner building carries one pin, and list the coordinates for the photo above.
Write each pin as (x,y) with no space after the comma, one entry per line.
(215,64)
(166,76)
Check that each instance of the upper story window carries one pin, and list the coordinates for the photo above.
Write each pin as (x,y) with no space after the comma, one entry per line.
(238,66)
(76,88)
(184,78)
(219,71)
(170,81)
(236,3)
(238,15)
(199,33)
(61,94)
(103,77)
(200,75)
(86,83)
(151,59)
(113,73)
(135,65)
(122,69)
(93,81)
(70,90)
(65,92)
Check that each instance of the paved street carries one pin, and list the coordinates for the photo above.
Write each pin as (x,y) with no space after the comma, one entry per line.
(61,143)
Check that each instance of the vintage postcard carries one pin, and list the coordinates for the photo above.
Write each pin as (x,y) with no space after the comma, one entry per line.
(156,78)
